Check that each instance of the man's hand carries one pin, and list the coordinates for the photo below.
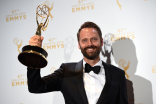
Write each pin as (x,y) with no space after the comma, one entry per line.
(36,40)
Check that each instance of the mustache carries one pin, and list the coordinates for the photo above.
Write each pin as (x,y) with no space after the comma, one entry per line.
(92,46)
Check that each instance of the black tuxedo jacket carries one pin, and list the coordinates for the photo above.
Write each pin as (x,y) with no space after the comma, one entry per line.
(69,80)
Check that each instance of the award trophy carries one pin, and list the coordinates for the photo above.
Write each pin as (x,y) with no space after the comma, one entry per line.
(108,47)
(34,56)
(108,39)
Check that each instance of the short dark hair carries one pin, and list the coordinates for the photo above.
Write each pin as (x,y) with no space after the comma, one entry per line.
(89,25)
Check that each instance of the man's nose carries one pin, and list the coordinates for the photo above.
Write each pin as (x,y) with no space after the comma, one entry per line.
(90,42)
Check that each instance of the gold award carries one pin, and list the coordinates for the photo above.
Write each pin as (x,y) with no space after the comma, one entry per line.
(34,56)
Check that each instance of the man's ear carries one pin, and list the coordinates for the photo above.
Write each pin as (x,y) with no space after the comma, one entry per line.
(102,42)
(79,45)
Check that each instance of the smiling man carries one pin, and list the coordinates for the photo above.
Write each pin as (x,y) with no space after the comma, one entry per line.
(90,81)
(90,44)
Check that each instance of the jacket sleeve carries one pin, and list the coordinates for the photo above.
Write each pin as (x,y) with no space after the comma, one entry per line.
(122,97)
(49,83)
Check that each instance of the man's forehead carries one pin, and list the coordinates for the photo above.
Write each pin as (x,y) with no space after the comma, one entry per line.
(88,33)
(87,29)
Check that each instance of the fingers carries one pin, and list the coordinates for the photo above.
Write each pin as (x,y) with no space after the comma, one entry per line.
(42,38)
(36,40)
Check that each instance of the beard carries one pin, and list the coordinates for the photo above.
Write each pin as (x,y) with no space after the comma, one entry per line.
(92,55)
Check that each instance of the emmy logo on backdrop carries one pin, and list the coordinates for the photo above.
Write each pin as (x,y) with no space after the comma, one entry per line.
(107,47)
(69,45)
(16,40)
(52,69)
(122,63)
(34,56)
(119,4)
(81,1)
(47,3)
(153,69)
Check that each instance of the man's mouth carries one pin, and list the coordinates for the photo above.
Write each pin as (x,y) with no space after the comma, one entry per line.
(90,49)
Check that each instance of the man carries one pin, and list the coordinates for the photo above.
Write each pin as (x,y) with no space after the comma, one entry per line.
(81,83)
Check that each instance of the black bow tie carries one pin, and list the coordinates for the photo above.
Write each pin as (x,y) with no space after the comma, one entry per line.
(95,69)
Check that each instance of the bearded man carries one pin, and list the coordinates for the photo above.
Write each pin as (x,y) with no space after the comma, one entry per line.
(89,81)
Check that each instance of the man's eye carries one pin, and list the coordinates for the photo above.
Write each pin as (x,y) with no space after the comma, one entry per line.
(84,40)
(94,39)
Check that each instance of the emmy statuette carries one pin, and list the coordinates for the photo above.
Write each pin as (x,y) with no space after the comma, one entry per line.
(34,56)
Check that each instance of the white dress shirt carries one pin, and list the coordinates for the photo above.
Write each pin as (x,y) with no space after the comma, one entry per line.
(94,83)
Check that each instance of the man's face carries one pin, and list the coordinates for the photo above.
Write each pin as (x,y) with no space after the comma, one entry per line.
(90,43)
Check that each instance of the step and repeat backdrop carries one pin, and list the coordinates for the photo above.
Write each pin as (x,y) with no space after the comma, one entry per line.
(129,33)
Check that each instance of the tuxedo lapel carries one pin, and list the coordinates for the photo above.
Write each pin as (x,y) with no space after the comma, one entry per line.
(79,80)
(107,83)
